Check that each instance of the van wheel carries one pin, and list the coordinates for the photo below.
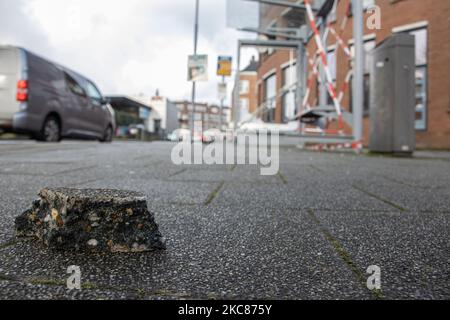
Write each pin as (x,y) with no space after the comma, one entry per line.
(51,130)
(108,135)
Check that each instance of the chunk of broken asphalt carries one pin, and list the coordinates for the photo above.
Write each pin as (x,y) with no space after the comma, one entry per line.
(91,220)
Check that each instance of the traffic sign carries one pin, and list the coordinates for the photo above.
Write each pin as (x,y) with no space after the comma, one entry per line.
(198,68)
(222,91)
(224,66)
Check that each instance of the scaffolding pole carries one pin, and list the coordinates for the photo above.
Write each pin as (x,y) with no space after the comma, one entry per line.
(302,71)
(323,91)
(358,74)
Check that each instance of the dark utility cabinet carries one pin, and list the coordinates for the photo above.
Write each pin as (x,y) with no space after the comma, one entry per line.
(392,101)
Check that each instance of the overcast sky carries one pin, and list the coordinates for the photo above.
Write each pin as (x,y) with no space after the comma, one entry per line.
(126,47)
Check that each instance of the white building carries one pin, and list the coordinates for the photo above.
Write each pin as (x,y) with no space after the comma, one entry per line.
(163,119)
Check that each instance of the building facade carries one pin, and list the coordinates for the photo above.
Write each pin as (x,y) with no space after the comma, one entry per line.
(131,113)
(427,20)
(163,119)
(248,103)
(207,115)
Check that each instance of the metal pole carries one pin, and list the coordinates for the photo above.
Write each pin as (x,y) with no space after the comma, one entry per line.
(358,72)
(323,91)
(193,83)
(282,3)
(236,88)
(221,108)
(270,33)
(301,78)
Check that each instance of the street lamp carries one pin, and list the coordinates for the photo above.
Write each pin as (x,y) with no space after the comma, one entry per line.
(195,53)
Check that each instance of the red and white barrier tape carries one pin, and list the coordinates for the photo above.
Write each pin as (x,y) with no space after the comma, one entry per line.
(345,85)
(340,42)
(330,85)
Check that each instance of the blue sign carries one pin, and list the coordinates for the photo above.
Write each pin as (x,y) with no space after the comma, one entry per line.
(144,113)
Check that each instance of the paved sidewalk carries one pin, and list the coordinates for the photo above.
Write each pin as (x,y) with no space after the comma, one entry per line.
(309,232)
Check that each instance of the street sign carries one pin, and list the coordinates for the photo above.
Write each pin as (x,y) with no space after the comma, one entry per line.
(222,91)
(144,113)
(198,68)
(224,66)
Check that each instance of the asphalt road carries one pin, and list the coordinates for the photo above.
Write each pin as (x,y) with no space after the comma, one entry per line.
(309,232)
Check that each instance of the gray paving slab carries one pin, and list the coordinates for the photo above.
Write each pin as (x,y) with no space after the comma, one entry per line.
(410,248)
(265,255)
(233,233)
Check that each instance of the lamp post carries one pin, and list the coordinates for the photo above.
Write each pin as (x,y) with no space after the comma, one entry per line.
(222,99)
(193,82)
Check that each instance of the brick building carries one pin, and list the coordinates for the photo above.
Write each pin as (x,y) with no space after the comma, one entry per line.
(248,89)
(428,20)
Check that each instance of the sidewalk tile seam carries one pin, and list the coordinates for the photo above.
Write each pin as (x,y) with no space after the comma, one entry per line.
(343,255)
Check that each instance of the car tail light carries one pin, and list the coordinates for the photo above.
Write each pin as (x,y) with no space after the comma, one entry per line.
(22,84)
(22,96)
(22,91)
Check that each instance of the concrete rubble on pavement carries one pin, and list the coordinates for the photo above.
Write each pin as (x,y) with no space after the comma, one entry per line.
(91,220)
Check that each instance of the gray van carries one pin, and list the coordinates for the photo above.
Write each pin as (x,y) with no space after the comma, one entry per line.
(48,101)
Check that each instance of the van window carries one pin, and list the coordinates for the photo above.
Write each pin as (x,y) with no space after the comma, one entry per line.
(73,85)
(93,92)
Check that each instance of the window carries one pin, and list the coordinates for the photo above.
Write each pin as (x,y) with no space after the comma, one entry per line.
(366,85)
(421,36)
(331,59)
(421,98)
(288,98)
(288,106)
(244,87)
(73,85)
(421,46)
(270,90)
(93,93)
(369,45)
(289,76)
(332,17)
(244,104)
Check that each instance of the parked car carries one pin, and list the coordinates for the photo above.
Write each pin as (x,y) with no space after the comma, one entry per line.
(173,137)
(49,101)
(135,130)
(211,135)
(179,135)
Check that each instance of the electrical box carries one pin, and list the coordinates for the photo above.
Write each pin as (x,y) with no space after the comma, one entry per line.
(392,96)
